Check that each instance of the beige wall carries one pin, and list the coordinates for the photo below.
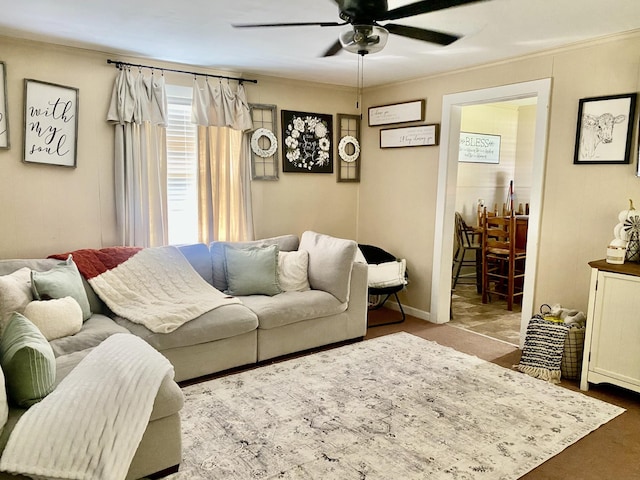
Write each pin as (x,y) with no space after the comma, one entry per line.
(580,203)
(46,209)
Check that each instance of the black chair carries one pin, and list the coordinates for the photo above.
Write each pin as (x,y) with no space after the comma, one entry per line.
(375,256)
(465,240)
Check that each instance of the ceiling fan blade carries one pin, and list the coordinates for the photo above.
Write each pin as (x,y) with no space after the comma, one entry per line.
(296,24)
(425,6)
(333,49)
(421,34)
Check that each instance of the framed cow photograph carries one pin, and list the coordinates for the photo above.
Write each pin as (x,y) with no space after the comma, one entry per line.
(605,129)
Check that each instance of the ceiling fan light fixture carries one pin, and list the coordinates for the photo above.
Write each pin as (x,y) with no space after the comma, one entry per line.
(364,39)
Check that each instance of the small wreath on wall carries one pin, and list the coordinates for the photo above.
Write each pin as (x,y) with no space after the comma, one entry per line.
(257,149)
(342,148)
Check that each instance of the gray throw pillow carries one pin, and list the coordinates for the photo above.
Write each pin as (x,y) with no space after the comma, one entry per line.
(285,243)
(27,361)
(252,271)
(330,263)
(63,280)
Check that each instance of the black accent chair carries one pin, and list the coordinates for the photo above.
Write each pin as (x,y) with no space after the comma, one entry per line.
(375,256)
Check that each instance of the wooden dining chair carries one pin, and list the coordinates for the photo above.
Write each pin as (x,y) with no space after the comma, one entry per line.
(502,261)
(466,242)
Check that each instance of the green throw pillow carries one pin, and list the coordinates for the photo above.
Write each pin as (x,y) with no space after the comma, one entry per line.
(252,271)
(61,281)
(27,361)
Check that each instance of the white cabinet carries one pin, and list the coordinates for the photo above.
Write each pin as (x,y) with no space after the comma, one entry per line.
(612,338)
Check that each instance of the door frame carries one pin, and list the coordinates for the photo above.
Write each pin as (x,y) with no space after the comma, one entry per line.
(448,178)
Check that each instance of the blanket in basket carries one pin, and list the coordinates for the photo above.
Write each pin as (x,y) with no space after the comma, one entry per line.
(90,426)
(156,287)
(543,349)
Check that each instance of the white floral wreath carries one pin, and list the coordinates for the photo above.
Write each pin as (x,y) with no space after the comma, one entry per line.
(342,148)
(257,149)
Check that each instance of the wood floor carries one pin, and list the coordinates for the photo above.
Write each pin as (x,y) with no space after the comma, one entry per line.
(612,452)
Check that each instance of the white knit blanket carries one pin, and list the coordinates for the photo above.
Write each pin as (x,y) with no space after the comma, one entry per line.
(90,426)
(158,288)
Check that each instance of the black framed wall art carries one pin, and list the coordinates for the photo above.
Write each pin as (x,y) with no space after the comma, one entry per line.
(605,129)
(307,142)
(50,123)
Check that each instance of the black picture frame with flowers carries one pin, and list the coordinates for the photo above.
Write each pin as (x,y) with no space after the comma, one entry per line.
(307,142)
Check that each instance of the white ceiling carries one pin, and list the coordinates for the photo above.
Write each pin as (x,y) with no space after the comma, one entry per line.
(199,33)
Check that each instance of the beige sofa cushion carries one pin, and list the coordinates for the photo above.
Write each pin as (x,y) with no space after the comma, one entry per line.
(330,263)
(223,322)
(98,328)
(285,243)
(292,307)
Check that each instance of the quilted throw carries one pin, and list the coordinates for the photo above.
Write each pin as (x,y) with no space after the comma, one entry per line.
(155,287)
(90,426)
(543,349)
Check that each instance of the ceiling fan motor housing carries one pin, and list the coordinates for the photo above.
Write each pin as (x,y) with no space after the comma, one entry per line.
(362,12)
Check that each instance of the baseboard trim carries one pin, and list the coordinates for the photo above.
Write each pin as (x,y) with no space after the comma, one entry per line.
(414,312)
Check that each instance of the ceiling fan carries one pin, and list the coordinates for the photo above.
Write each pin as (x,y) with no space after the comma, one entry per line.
(366,35)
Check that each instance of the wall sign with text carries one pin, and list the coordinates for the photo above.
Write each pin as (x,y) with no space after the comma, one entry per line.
(419,136)
(479,148)
(50,123)
(397,113)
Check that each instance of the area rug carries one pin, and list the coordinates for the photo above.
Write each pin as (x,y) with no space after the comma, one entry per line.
(395,407)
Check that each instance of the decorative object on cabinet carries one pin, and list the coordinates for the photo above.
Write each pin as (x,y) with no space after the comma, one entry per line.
(348,128)
(626,242)
(50,123)
(307,142)
(264,142)
(605,129)
(4,117)
(397,113)
(479,148)
(611,353)
(419,136)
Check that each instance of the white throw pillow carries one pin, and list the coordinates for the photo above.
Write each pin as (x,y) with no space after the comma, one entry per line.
(15,294)
(292,271)
(56,318)
(389,274)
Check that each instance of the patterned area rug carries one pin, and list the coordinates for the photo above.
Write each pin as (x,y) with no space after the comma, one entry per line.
(394,407)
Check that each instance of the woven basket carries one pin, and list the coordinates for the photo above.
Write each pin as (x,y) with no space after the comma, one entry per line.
(571,364)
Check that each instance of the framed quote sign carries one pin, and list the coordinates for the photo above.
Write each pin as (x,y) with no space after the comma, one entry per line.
(50,123)
(479,148)
(397,113)
(419,136)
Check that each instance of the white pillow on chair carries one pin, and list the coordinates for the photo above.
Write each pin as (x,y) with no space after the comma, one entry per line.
(389,274)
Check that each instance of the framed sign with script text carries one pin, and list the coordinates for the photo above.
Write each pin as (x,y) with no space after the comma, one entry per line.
(397,113)
(50,123)
(419,136)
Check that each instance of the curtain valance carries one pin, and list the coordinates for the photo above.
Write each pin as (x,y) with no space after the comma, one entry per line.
(218,105)
(136,99)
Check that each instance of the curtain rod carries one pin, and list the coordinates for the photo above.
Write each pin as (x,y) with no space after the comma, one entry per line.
(120,64)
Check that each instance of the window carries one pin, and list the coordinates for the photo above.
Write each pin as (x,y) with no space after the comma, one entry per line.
(182,167)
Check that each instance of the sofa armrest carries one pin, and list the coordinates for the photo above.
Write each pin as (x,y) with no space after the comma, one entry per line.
(358,301)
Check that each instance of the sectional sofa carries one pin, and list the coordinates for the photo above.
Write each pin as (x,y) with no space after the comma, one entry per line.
(288,295)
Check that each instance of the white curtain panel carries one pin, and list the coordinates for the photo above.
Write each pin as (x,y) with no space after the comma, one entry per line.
(139,111)
(224,191)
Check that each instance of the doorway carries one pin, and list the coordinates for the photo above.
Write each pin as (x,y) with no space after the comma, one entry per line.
(452,106)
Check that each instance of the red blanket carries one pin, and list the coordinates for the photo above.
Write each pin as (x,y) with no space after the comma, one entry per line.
(92,263)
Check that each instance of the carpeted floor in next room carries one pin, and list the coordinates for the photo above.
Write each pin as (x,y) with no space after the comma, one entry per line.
(610,452)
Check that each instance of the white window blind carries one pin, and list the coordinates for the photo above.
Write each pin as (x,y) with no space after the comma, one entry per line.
(182,167)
